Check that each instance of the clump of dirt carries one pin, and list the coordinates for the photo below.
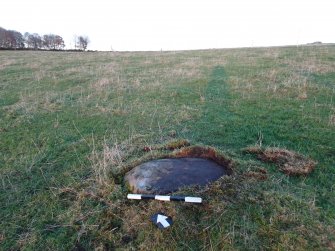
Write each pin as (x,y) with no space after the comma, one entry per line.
(289,162)
(258,174)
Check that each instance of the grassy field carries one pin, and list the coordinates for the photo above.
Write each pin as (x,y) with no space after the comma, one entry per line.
(71,122)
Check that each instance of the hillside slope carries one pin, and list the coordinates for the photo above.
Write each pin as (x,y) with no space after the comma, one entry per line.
(71,122)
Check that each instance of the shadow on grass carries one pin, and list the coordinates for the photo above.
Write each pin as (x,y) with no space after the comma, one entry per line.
(215,125)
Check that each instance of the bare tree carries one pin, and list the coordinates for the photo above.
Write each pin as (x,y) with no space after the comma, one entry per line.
(53,42)
(26,39)
(75,39)
(82,42)
(2,37)
(33,41)
(17,40)
(47,41)
(10,39)
(59,42)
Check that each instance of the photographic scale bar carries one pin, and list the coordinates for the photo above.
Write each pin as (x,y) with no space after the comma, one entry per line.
(164,198)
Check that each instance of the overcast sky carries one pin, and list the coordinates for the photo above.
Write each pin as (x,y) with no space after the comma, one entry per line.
(174,24)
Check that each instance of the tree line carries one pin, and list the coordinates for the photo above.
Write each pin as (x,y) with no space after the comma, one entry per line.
(13,40)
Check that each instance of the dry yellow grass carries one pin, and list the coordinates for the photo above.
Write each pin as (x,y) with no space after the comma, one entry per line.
(103,161)
(6,63)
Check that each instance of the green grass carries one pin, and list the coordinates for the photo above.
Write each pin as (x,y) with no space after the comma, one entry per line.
(68,120)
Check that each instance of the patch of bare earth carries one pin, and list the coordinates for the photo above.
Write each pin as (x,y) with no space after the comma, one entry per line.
(289,162)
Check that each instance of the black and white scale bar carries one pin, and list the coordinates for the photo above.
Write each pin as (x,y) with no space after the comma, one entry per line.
(164,198)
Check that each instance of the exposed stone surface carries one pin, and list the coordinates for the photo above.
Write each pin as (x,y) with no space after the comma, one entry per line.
(162,176)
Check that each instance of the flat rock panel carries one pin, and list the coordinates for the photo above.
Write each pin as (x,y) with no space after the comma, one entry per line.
(163,176)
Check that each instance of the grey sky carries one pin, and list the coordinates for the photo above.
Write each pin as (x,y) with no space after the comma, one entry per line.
(175,24)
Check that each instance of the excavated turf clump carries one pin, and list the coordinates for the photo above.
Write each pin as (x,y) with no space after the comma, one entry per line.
(289,162)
